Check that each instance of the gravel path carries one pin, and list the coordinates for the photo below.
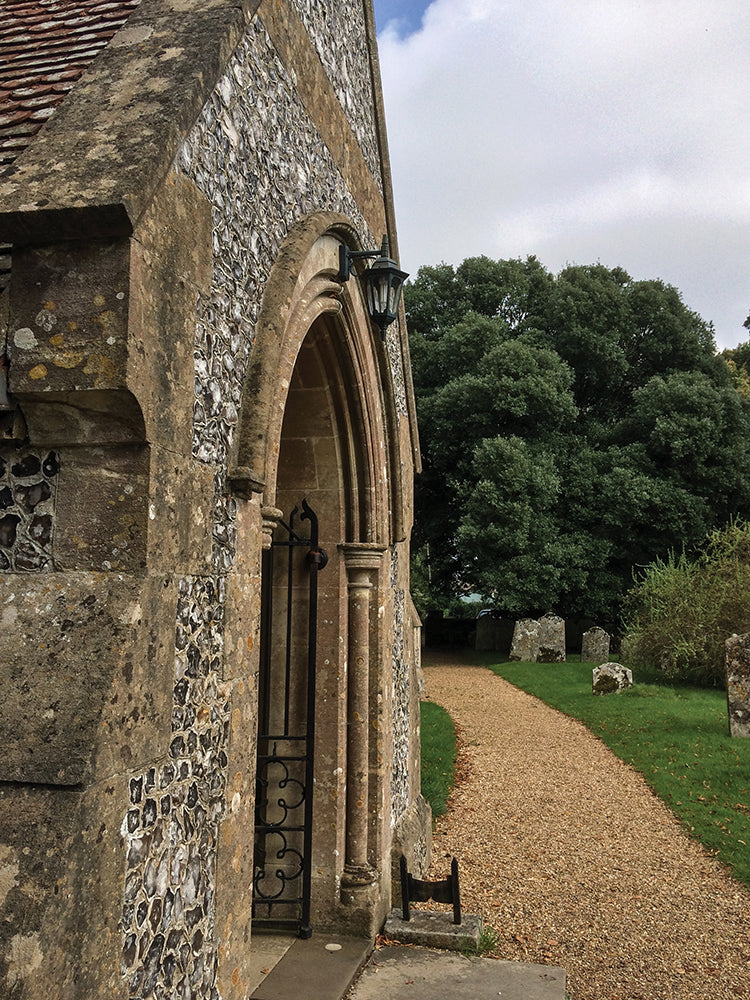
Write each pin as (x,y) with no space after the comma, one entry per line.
(573,861)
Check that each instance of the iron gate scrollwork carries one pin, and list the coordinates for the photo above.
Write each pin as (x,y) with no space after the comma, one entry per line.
(286,725)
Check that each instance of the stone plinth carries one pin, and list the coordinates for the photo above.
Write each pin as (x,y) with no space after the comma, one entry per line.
(737,660)
(610,678)
(525,645)
(434,930)
(551,639)
(595,646)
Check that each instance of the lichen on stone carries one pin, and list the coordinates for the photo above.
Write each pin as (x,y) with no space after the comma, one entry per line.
(610,678)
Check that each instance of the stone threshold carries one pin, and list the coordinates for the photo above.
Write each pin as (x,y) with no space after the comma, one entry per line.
(320,968)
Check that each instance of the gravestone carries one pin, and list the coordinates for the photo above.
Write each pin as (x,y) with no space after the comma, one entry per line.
(485,634)
(737,661)
(610,678)
(525,645)
(493,633)
(551,639)
(595,646)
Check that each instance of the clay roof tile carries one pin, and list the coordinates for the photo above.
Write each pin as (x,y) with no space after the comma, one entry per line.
(45,46)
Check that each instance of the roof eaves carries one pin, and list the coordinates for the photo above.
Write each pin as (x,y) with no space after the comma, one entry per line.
(92,170)
(45,45)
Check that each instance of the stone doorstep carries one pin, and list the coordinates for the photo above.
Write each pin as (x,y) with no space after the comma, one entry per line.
(396,973)
(431,929)
(310,971)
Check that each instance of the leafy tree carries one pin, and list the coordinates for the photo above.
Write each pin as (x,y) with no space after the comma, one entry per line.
(572,428)
(737,360)
(518,483)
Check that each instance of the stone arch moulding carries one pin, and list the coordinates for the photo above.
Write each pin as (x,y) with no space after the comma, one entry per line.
(301,288)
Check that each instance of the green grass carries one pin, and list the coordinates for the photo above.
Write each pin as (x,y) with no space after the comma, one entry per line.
(676,736)
(438,755)
(489,941)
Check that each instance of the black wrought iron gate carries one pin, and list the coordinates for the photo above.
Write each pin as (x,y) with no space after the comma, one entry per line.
(286,725)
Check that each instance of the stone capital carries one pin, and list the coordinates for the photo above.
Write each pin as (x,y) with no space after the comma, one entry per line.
(362,555)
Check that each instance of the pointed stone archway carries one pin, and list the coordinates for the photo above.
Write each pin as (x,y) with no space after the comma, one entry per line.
(319,422)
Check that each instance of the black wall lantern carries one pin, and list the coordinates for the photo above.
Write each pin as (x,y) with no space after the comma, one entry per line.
(382,282)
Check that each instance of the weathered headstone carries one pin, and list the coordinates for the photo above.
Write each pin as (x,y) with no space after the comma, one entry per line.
(525,645)
(485,635)
(595,646)
(610,678)
(737,661)
(551,639)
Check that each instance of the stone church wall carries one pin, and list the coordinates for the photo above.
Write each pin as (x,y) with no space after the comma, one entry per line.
(129,608)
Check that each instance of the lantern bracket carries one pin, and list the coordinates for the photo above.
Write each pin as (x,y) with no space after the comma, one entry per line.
(382,283)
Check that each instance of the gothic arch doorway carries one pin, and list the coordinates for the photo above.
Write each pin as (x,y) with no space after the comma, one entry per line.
(282,862)
(319,426)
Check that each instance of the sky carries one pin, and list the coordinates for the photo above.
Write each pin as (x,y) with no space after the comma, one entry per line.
(579,131)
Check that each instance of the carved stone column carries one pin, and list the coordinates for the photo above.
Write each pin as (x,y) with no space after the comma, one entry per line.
(362,566)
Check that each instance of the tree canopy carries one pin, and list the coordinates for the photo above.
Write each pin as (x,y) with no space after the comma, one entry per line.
(573,427)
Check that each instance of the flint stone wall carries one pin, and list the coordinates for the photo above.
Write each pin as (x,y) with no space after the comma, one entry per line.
(338,33)
(235,155)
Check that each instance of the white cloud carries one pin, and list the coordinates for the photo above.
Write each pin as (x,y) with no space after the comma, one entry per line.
(610,130)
